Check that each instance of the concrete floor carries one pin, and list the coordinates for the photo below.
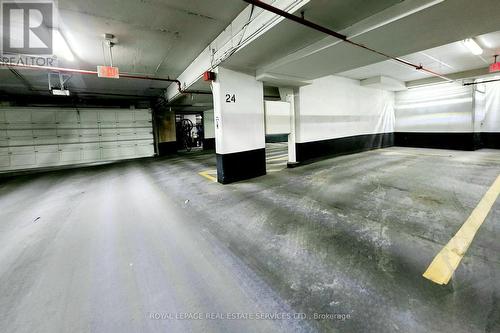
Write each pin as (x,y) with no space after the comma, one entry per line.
(276,156)
(111,248)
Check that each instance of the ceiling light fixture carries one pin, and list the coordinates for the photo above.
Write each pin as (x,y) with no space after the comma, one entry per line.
(473,47)
(60,92)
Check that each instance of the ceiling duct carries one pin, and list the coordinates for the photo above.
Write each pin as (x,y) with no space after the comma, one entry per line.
(384,82)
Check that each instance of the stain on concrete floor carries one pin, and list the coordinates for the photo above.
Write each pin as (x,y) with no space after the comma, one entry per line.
(348,236)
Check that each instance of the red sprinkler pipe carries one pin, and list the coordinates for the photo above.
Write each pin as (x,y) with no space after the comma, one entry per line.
(481,82)
(344,38)
(85,72)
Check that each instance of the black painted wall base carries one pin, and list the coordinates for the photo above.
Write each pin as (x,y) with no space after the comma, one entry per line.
(241,166)
(478,141)
(456,141)
(311,151)
(490,140)
(209,144)
(167,148)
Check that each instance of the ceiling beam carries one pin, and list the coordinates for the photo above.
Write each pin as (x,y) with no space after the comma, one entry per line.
(249,25)
(341,37)
(470,74)
(383,18)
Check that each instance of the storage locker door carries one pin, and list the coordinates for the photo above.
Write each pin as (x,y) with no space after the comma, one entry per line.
(18,139)
(90,131)
(143,133)
(45,137)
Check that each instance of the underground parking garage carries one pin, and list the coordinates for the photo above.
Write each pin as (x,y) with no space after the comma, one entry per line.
(250,166)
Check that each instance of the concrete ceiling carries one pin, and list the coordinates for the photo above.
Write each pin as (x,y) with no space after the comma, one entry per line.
(443,23)
(288,37)
(447,59)
(155,38)
(162,37)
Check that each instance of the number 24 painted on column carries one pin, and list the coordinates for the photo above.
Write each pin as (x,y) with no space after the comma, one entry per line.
(230,98)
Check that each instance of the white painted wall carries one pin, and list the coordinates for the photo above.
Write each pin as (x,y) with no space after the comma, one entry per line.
(335,107)
(479,110)
(239,123)
(208,124)
(439,108)
(277,117)
(488,111)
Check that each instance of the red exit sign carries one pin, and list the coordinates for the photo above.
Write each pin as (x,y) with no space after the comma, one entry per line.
(108,72)
(495,67)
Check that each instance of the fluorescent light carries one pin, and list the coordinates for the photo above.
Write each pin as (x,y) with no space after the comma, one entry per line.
(61,47)
(473,47)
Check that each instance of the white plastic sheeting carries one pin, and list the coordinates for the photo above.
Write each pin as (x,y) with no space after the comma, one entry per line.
(438,108)
(489,114)
(335,107)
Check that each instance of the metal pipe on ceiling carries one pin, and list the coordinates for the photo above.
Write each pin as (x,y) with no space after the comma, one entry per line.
(312,25)
(481,82)
(86,72)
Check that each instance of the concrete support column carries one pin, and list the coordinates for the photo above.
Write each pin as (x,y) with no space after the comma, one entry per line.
(239,126)
(290,95)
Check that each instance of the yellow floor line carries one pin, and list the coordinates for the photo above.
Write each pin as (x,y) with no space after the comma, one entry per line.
(207,175)
(446,262)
